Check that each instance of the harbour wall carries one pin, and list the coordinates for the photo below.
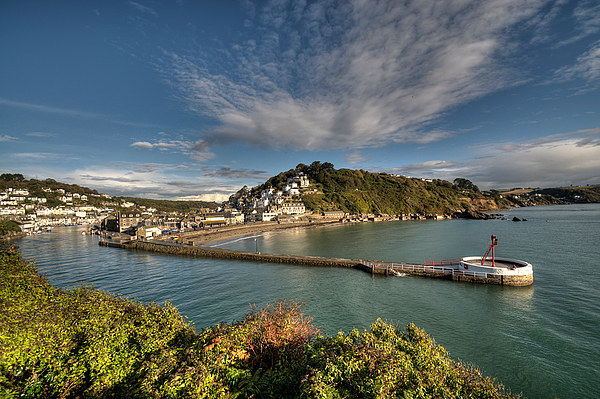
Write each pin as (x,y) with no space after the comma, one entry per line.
(375,268)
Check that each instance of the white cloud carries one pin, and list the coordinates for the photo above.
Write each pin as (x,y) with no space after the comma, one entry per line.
(143,144)
(587,67)
(5,137)
(40,134)
(587,21)
(71,113)
(356,157)
(547,162)
(198,150)
(551,161)
(227,172)
(42,156)
(436,165)
(160,181)
(142,8)
(351,75)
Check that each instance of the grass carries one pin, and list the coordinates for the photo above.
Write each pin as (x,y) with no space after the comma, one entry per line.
(88,343)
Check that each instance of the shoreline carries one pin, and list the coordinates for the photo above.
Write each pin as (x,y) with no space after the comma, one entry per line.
(217,235)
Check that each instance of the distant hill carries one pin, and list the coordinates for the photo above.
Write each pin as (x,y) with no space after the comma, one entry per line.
(581,194)
(171,206)
(36,189)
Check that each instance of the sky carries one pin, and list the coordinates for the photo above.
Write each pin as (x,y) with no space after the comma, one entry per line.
(195,99)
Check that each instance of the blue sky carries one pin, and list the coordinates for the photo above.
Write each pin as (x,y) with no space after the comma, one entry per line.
(194,99)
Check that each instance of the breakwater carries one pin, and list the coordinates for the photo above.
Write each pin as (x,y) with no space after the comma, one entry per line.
(373,267)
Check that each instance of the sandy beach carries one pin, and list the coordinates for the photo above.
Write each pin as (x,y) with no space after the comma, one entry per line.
(208,236)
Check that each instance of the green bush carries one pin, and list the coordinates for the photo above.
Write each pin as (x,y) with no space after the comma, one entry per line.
(8,227)
(87,343)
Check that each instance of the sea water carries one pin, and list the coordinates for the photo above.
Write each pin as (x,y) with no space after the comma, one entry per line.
(542,340)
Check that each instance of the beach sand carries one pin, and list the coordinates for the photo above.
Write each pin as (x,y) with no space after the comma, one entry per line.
(208,236)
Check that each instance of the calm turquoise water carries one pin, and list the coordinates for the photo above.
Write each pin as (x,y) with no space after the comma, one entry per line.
(542,340)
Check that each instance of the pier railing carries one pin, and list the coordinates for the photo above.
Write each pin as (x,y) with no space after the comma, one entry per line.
(436,269)
(445,267)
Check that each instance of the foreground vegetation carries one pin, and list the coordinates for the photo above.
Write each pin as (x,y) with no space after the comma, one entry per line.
(86,343)
(8,228)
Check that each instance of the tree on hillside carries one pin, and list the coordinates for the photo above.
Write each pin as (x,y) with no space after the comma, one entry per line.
(12,177)
(465,184)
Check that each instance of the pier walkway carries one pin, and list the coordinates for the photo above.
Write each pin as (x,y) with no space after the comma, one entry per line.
(447,269)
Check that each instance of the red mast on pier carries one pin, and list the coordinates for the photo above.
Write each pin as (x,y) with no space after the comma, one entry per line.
(491,248)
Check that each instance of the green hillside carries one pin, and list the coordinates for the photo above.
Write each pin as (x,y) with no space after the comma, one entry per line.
(581,194)
(36,189)
(362,192)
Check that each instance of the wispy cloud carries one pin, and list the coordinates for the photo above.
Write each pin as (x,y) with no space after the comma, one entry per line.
(198,150)
(586,68)
(160,181)
(436,169)
(587,22)
(325,76)
(142,8)
(40,134)
(71,113)
(42,156)
(542,22)
(5,137)
(356,157)
(238,173)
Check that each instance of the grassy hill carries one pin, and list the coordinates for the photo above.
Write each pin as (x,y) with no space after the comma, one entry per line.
(362,192)
(35,187)
(580,194)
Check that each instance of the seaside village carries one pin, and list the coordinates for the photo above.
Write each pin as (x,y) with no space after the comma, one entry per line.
(116,216)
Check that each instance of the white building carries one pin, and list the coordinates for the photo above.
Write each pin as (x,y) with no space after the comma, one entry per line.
(12,211)
(301,179)
(266,216)
(148,232)
(293,208)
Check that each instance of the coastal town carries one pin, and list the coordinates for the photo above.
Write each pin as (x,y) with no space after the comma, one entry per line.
(277,204)
(114,215)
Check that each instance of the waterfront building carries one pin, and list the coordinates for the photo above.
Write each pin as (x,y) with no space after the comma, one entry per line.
(293,208)
(121,221)
(334,214)
(148,232)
